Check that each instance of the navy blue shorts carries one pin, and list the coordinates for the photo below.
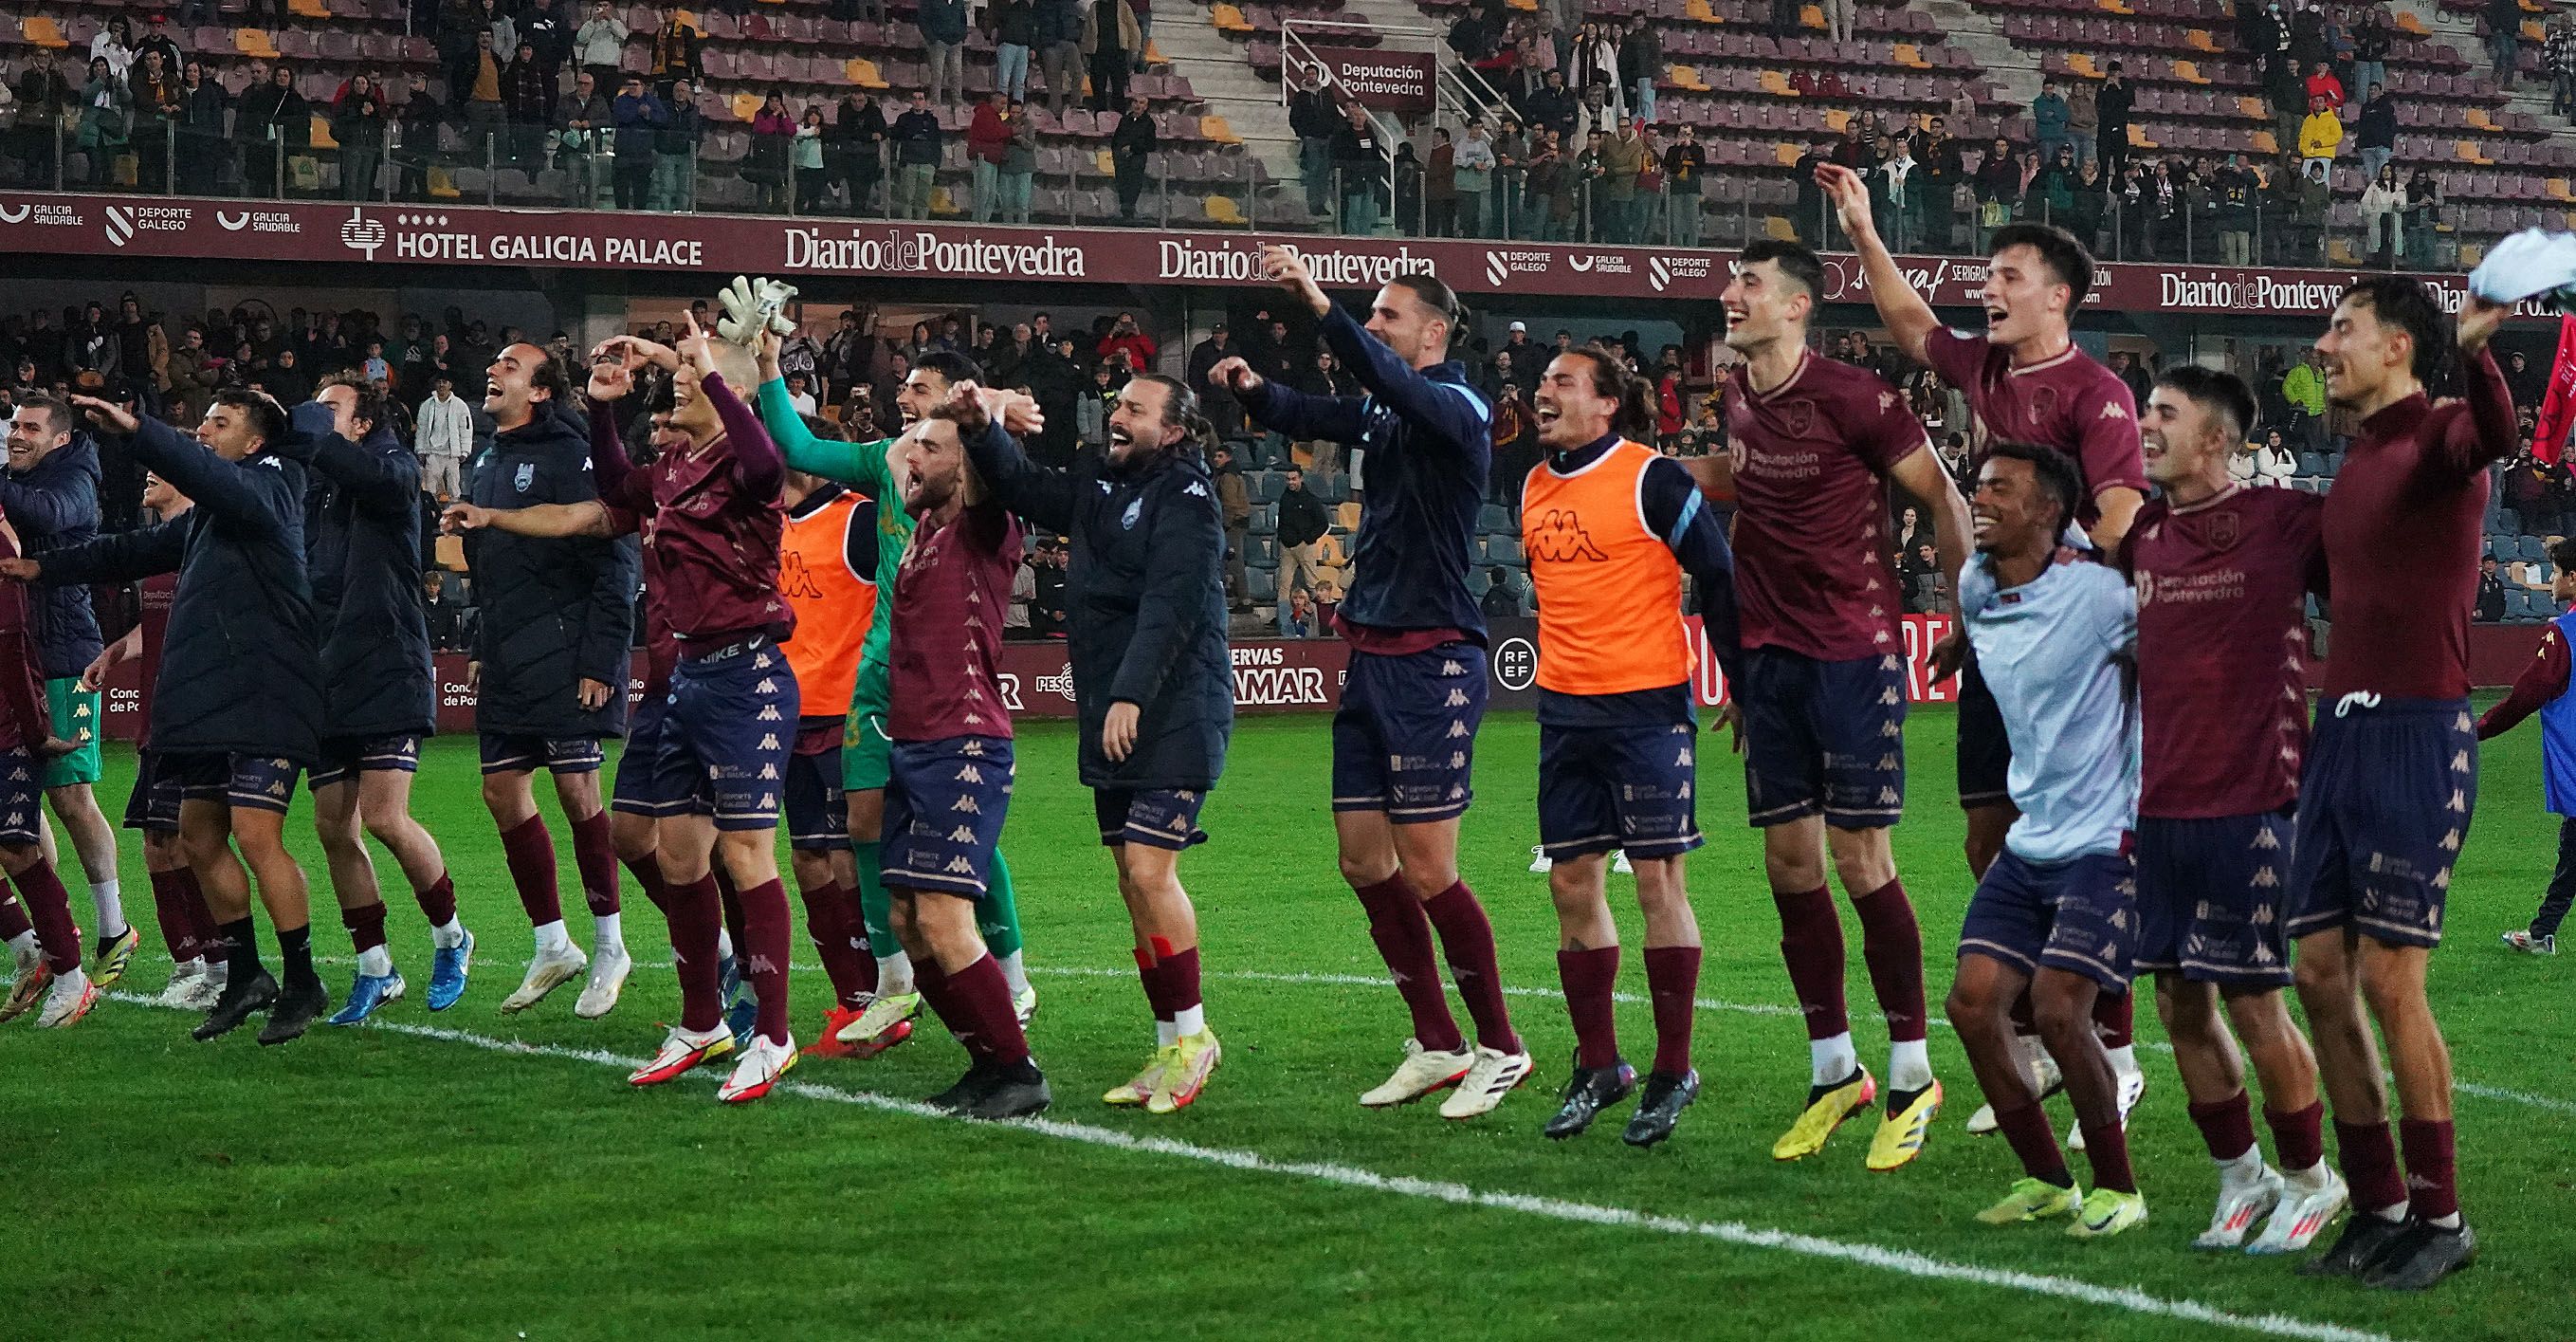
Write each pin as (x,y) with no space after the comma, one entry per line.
(22,798)
(1822,738)
(2384,806)
(153,806)
(2078,916)
(944,804)
(1404,739)
(1154,817)
(1605,788)
(1985,752)
(252,782)
(503,754)
(727,736)
(637,791)
(2209,898)
(345,757)
(818,815)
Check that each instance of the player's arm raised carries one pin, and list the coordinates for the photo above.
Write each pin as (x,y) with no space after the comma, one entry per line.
(543,521)
(1448,415)
(118,556)
(1908,317)
(862,466)
(1043,495)
(236,494)
(2489,432)
(1921,475)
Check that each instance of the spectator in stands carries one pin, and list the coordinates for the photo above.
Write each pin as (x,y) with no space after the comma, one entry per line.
(917,140)
(2111,107)
(1234,502)
(2304,387)
(1303,521)
(1471,181)
(2320,137)
(1019,163)
(674,182)
(2490,592)
(675,48)
(1313,117)
(2323,84)
(2268,464)
(600,46)
(854,150)
(274,121)
(421,118)
(106,118)
(773,142)
(1110,39)
(1641,58)
(443,438)
(1015,27)
(153,89)
(1554,108)
(813,184)
(1130,145)
(541,27)
(528,100)
(1360,166)
(1297,615)
(1685,187)
(2383,210)
(193,374)
(115,45)
(1439,186)
(474,83)
(1059,39)
(943,33)
(2504,39)
(2048,111)
(1091,413)
(43,96)
(505,28)
(640,118)
(1623,161)
(988,141)
(2558,58)
(584,137)
(359,125)
(2378,132)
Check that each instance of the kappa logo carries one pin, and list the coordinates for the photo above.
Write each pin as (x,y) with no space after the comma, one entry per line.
(968,773)
(959,866)
(962,834)
(2112,410)
(769,713)
(769,773)
(1457,699)
(1561,539)
(769,741)
(795,579)
(967,805)
(1196,490)
(768,685)
(362,234)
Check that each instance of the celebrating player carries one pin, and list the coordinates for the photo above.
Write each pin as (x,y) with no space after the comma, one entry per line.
(711,512)
(1821,705)
(197,971)
(2542,689)
(872,469)
(1152,681)
(827,573)
(237,705)
(549,668)
(2025,381)
(1611,527)
(1405,735)
(379,699)
(950,769)
(50,494)
(2392,772)
(45,938)
(2221,573)
(2056,913)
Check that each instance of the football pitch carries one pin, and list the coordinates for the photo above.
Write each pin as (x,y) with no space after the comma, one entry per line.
(471,1175)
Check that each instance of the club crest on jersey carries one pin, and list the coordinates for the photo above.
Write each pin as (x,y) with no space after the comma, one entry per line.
(1127,519)
(1799,418)
(2223,527)
(527,476)
(2043,404)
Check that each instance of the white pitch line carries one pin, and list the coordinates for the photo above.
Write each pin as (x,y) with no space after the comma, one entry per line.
(1314,979)
(1903,1261)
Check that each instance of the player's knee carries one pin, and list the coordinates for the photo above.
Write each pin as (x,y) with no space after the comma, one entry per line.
(1366,869)
(2388,988)
(1794,871)
(1971,1009)
(2324,983)
(2060,1011)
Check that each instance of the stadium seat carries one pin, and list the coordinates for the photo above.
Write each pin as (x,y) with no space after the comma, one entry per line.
(1347,516)
(1261,584)
(1479,582)
(1265,519)
(1265,486)
(1261,552)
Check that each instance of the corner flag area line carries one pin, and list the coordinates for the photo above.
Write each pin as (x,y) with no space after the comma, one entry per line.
(1901,1261)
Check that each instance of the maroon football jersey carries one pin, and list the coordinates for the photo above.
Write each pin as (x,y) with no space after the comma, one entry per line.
(2069,402)
(1811,458)
(2222,649)
(950,597)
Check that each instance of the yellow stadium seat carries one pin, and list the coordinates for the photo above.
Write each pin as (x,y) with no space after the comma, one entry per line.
(2471,253)
(1229,18)
(322,134)
(1347,516)
(253,42)
(1786,154)
(1684,76)
(1836,118)
(1215,128)
(2189,72)
(2265,144)
(2340,251)
(2138,138)
(1778,229)
(309,9)
(2479,120)
(1698,11)
(1811,16)
(941,203)
(1222,210)
(864,73)
(1526,6)
(1777,85)
(42,31)
(1103,163)
(2252,109)
(1154,54)
(1910,58)
(746,106)
(2083,65)
(2558,190)
(1329,551)
(2198,39)
(2467,150)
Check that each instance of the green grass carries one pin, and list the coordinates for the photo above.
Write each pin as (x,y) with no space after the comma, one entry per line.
(380,1184)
